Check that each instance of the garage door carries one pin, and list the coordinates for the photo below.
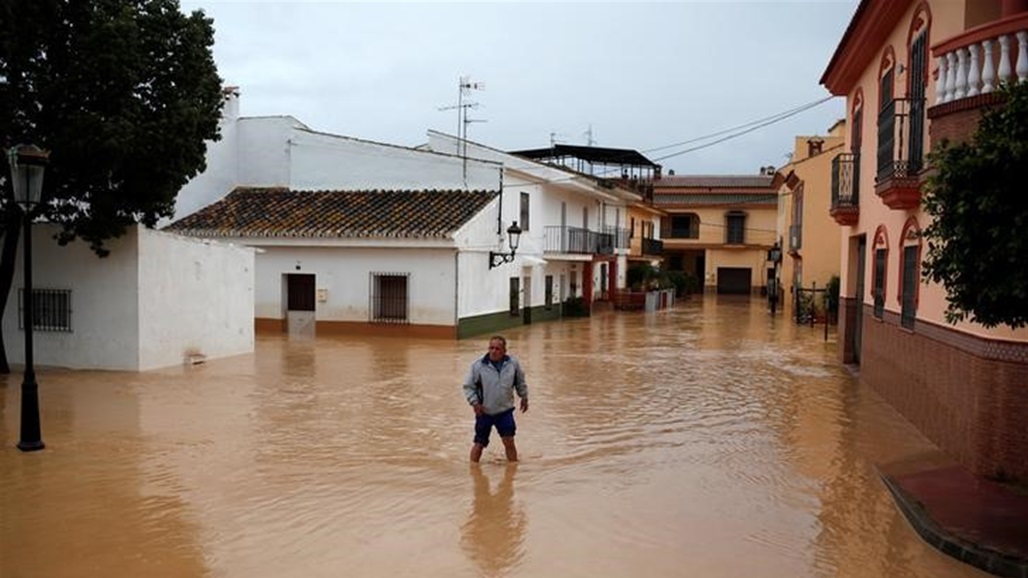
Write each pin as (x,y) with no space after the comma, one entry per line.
(733,280)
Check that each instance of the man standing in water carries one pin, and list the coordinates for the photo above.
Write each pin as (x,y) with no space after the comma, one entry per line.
(489,388)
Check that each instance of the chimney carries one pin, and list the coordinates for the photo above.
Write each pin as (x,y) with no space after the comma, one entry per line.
(814,146)
(230,108)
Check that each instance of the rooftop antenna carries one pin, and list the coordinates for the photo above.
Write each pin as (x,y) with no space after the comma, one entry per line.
(464,87)
(589,140)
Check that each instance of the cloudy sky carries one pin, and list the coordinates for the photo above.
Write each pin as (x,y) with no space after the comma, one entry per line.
(660,77)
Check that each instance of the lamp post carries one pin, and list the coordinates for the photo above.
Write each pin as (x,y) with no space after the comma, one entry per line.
(774,255)
(513,239)
(27,165)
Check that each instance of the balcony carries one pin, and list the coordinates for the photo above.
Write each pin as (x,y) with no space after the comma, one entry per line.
(845,188)
(619,235)
(900,153)
(579,241)
(652,247)
(972,66)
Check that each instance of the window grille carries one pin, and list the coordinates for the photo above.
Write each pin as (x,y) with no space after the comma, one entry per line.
(879,283)
(390,297)
(909,295)
(51,310)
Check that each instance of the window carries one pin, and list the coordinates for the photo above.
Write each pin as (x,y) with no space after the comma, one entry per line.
(881,256)
(908,298)
(631,228)
(524,211)
(918,79)
(515,296)
(735,228)
(389,297)
(886,123)
(549,292)
(51,310)
(685,226)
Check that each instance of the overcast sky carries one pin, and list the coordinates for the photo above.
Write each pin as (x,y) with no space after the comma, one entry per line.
(642,75)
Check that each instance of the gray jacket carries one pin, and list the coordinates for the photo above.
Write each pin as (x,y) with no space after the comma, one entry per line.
(496,393)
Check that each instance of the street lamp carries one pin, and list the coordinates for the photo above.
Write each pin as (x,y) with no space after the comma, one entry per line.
(774,255)
(513,238)
(27,165)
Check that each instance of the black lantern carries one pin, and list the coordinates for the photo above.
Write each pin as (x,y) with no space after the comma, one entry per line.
(513,239)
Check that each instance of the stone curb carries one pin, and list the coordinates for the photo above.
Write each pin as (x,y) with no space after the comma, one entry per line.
(987,559)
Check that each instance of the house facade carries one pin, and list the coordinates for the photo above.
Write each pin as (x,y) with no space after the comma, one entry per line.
(575,244)
(808,236)
(156,300)
(719,229)
(914,73)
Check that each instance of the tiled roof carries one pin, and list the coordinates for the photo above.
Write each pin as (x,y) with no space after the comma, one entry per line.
(660,200)
(280,212)
(715,181)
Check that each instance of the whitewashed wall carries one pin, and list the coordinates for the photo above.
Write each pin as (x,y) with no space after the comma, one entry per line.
(344,275)
(324,161)
(196,298)
(281,151)
(113,308)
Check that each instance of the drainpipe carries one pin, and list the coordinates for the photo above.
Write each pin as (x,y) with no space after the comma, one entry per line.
(499,213)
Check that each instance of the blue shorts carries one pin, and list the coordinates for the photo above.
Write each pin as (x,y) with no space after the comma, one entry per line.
(504,422)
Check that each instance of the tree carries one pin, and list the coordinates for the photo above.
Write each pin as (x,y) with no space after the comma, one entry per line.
(976,240)
(123,93)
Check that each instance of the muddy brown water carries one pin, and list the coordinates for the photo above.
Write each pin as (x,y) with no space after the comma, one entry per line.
(709,440)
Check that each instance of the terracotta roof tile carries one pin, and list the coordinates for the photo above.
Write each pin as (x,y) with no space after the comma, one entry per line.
(715,181)
(280,212)
(695,199)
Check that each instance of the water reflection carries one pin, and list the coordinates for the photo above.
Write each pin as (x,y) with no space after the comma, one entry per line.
(494,534)
(708,440)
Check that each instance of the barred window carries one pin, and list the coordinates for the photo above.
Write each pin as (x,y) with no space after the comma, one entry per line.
(51,310)
(881,257)
(908,297)
(515,296)
(389,297)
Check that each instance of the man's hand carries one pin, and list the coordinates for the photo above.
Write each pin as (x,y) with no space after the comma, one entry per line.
(479,410)
(524,404)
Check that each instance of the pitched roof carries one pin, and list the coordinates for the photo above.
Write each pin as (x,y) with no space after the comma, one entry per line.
(280,212)
(715,181)
(770,199)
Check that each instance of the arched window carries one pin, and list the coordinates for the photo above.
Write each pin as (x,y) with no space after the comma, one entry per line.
(878,273)
(910,272)
(886,115)
(917,83)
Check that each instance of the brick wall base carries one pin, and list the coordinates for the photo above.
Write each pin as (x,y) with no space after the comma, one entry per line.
(967,394)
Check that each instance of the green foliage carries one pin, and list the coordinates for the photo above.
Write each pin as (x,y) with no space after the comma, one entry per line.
(122,92)
(832,294)
(976,242)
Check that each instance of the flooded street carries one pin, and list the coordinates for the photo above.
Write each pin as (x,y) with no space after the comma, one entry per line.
(710,440)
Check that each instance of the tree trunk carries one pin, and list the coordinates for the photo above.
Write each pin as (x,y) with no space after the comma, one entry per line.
(12,231)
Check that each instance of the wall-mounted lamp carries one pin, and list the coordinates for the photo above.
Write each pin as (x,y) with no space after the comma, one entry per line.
(513,238)
(774,255)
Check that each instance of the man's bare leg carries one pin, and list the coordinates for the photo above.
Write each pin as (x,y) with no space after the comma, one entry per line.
(476,452)
(510,448)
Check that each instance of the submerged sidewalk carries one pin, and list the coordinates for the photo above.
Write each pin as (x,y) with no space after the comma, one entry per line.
(977,521)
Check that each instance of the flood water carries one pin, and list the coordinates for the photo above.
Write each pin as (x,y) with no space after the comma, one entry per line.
(706,441)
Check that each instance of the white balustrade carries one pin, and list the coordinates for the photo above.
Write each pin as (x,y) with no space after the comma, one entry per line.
(978,69)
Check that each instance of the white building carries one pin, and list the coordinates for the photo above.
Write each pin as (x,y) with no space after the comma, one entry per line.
(363,236)
(156,300)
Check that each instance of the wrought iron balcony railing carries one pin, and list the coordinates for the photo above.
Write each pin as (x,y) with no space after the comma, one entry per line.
(652,246)
(580,241)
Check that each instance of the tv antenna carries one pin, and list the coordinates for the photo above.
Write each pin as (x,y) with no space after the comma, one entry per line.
(464,87)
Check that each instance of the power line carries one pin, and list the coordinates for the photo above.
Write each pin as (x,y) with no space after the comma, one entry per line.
(772,120)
